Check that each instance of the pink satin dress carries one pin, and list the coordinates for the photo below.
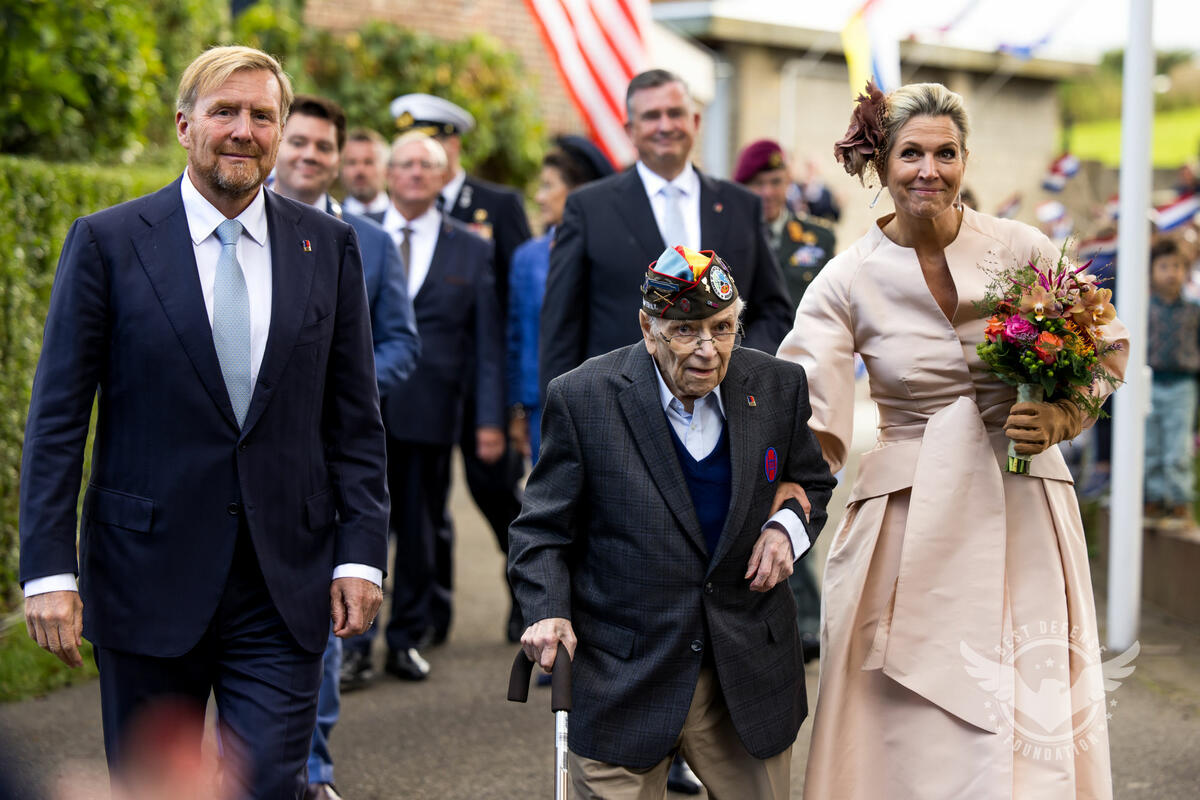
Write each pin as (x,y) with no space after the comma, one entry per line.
(950,586)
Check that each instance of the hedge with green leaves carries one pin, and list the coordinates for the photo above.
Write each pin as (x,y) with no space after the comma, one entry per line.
(40,202)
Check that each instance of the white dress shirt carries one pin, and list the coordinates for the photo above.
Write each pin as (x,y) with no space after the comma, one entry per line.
(424,241)
(376,206)
(700,431)
(687,182)
(254,255)
(452,188)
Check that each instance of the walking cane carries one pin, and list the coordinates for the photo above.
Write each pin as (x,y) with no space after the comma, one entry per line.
(560,704)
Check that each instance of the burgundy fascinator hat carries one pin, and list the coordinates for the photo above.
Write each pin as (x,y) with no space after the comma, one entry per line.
(866,137)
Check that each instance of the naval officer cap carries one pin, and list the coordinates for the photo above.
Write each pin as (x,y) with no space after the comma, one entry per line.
(430,115)
(686,284)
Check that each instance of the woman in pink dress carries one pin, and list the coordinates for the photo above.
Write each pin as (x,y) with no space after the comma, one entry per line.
(960,656)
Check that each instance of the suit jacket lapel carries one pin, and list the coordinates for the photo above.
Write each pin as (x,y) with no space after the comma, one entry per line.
(743,460)
(292,272)
(441,256)
(643,412)
(713,219)
(634,207)
(166,252)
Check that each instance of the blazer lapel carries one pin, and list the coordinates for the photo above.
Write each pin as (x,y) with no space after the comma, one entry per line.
(633,205)
(292,271)
(166,252)
(441,257)
(743,460)
(714,220)
(643,412)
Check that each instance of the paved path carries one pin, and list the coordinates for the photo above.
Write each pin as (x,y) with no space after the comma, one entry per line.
(454,736)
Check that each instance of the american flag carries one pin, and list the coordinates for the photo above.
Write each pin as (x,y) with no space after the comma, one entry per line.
(597,46)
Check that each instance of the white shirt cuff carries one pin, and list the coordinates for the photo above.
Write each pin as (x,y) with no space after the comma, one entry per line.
(64,582)
(786,518)
(372,574)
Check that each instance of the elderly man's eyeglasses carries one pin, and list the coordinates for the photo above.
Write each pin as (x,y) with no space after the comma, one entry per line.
(692,340)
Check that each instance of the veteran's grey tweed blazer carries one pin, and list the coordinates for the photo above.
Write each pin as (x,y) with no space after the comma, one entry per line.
(608,537)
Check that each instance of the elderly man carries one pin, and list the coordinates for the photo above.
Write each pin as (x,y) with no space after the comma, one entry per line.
(237,497)
(645,533)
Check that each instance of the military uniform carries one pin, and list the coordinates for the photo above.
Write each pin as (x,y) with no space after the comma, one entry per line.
(803,245)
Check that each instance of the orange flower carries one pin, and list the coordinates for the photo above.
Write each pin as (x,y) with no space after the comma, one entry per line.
(995,327)
(1094,307)
(1040,303)
(1047,347)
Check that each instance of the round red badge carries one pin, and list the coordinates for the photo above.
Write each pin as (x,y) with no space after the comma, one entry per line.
(771,464)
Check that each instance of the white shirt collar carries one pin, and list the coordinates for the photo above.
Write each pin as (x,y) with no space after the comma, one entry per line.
(667,397)
(687,181)
(452,188)
(427,223)
(203,217)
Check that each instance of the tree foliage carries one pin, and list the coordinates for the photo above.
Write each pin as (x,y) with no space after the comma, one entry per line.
(1098,96)
(365,70)
(78,79)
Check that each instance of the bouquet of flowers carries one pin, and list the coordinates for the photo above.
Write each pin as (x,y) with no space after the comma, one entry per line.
(1043,335)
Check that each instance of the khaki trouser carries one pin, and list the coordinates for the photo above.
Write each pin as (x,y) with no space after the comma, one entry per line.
(713,750)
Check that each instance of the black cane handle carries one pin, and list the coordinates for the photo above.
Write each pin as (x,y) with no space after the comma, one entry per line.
(560,679)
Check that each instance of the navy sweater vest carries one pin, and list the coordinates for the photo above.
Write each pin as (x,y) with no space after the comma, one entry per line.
(710,482)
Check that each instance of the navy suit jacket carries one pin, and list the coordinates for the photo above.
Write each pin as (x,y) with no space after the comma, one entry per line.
(607,238)
(173,478)
(393,325)
(462,344)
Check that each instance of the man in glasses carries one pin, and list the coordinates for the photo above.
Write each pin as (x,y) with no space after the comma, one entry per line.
(647,546)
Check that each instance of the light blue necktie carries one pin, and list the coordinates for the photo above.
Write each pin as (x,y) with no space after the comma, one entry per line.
(231,320)
(674,231)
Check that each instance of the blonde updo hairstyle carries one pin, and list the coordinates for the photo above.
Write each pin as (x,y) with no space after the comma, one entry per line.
(878,118)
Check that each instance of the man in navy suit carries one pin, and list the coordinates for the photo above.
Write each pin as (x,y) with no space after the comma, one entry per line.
(314,138)
(237,498)
(462,355)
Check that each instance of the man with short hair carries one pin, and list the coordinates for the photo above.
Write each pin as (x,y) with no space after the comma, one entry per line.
(450,281)
(611,226)
(497,214)
(364,174)
(647,546)
(237,497)
(314,137)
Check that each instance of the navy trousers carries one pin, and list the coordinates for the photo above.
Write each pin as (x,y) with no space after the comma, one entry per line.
(264,683)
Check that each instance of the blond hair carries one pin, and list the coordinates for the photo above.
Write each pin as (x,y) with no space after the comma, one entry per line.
(437,153)
(214,66)
(921,100)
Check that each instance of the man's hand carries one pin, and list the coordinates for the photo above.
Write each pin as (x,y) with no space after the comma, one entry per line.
(489,444)
(789,491)
(540,640)
(354,602)
(518,435)
(771,560)
(55,621)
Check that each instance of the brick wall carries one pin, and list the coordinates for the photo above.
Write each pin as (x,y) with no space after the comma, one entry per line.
(507,20)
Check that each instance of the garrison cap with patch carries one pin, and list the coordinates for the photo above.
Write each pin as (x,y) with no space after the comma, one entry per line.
(686,284)
(757,157)
(430,115)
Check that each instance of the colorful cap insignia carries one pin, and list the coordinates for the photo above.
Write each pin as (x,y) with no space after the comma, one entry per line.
(686,284)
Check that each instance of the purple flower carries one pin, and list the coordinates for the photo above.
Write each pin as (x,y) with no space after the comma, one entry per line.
(1019,330)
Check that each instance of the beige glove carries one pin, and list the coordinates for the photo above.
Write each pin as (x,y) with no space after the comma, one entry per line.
(1036,426)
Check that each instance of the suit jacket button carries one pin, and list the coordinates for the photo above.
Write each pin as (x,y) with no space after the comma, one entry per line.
(234,509)
(708,588)
(241,447)
(697,645)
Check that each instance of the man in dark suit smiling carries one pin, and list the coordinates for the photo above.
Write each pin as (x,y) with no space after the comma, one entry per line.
(613,227)
(237,498)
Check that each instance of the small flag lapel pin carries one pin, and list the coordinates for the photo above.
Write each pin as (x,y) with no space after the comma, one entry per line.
(750,401)
(307,246)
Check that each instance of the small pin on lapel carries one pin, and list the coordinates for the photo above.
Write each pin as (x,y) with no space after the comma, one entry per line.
(750,401)
(307,245)
(718,207)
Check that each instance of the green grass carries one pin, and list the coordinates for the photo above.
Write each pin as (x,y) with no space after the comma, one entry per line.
(1176,139)
(26,670)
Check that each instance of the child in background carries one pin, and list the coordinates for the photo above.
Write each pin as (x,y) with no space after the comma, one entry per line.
(1173,352)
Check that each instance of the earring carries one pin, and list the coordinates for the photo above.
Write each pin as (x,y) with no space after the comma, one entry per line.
(958,204)
(876,200)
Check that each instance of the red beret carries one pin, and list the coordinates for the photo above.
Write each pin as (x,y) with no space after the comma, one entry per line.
(757,157)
